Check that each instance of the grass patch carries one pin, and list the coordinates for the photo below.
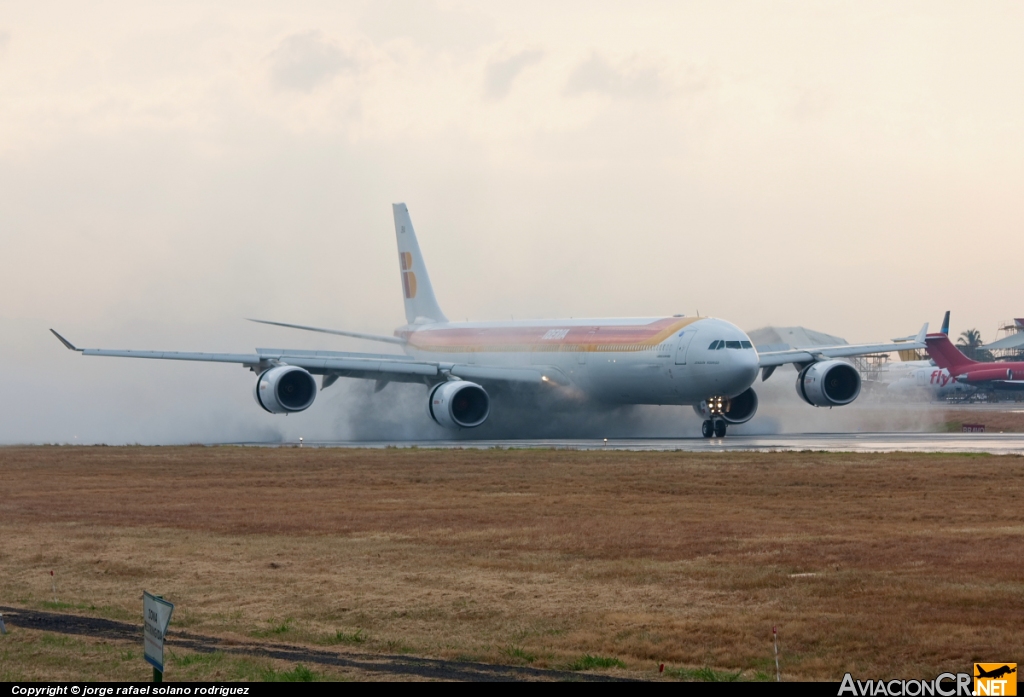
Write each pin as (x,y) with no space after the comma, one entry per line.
(396,646)
(275,629)
(589,662)
(705,674)
(200,659)
(108,611)
(519,654)
(299,673)
(343,637)
(58,605)
(59,640)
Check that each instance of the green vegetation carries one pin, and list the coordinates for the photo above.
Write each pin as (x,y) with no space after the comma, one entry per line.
(343,637)
(282,628)
(397,646)
(705,674)
(970,344)
(299,673)
(588,662)
(199,659)
(519,654)
(58,605)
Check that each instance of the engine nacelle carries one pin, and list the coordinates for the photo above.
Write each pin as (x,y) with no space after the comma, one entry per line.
(285,389)
(742,407)
(828,384)
(459,404)
(738,410)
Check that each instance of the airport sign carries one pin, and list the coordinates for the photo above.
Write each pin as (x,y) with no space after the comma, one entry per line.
(156,614)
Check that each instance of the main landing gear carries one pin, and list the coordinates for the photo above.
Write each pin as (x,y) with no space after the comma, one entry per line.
(713,428)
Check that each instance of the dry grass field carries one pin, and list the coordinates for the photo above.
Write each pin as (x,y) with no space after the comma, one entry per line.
(1003,421)
(884,565)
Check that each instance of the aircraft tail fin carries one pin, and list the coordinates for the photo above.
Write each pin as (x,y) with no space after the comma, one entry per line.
(945,354)
(945,324)
(420,304)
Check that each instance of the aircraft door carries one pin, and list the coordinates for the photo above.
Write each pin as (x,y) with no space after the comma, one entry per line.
(581,355)
(682,346)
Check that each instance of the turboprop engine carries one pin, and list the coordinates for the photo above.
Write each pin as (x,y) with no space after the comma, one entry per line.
(828,384)
(738,410)
(459,404)
(285,389)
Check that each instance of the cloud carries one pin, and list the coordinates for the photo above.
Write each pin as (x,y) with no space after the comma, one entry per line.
(597,75)
(502,73)
(304,61)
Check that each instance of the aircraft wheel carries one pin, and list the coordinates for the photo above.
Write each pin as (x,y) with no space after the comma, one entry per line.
(707,430)
(720,429)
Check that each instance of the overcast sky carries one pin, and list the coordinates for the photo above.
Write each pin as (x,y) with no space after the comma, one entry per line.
(168,169)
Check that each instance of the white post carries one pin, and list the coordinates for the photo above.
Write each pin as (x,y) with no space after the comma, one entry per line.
(775,638)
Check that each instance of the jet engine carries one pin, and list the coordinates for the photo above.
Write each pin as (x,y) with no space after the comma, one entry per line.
(741,408)
(738,410)
(459,404)
(828,384)
(285,389)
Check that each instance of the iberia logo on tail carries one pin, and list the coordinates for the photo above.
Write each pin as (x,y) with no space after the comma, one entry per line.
(408,277)
(995,679)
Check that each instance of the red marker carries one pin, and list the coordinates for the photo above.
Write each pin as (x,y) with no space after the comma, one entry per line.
(661,668)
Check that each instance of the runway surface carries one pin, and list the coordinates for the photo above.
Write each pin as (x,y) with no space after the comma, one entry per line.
(994,443)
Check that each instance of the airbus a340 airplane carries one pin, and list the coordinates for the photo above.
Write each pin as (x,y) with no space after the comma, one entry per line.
(704,362)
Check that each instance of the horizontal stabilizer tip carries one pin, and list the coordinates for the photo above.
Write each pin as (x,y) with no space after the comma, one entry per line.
(921,334)
(64,341)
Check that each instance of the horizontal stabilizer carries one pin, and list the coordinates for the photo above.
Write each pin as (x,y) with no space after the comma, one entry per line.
(339,332)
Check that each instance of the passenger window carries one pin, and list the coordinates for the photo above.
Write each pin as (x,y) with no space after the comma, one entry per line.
(746,344)
(713,346)
(732,344)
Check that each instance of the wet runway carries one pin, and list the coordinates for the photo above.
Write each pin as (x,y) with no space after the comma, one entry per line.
(994,443)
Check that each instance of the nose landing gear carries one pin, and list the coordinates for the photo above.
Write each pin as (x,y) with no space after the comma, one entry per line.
(715,408)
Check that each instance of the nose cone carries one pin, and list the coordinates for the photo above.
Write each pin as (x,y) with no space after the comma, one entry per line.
(742,363)
(740,372)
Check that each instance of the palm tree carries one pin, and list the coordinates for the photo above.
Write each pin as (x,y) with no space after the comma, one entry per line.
(970,344)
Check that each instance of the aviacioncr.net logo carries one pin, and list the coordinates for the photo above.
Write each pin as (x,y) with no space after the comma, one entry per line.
(945,685)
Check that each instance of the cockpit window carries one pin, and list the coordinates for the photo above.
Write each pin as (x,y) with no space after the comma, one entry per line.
(746,344)
(713,346)
(732,344)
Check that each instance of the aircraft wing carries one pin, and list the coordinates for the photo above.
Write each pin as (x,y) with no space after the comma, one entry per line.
(773,359)
(387,367)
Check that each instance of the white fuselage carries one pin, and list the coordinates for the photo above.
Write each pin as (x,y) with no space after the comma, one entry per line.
(919,377)
(628,361)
